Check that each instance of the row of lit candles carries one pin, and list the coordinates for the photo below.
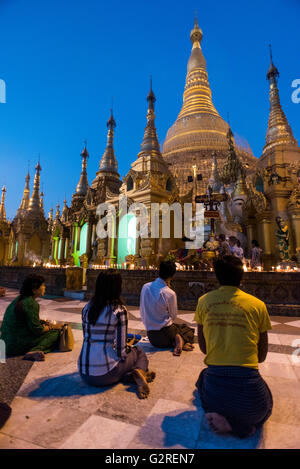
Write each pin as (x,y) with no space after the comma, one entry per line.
(179,267)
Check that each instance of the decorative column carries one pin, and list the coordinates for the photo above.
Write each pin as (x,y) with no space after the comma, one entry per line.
(264,224)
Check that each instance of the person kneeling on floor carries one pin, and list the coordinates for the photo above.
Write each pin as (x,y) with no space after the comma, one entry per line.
(232,333)
(158,307)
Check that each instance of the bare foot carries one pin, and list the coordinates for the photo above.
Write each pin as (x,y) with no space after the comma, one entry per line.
(188,347)
(35,356)
(150,376)
(218,423)
(178,345)
(139,377)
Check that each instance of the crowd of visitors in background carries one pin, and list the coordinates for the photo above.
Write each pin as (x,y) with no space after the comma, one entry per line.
(222,246)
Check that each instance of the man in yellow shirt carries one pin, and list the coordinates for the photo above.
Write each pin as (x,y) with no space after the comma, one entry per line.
(232,333)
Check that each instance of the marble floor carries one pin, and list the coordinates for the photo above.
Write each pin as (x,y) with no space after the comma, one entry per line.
(54,409)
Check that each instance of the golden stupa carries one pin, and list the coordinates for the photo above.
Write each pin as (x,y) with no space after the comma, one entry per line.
(199,130)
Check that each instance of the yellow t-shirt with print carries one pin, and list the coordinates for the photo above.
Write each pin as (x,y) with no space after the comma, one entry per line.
(232,321)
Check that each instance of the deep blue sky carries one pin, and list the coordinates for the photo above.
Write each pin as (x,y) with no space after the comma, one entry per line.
(62,62)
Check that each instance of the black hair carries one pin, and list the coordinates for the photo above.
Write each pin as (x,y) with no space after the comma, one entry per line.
(238,243)
(167,269)
(107,292)
(30,283)
(255,243)
(233,239)
(229,270)
(222,237)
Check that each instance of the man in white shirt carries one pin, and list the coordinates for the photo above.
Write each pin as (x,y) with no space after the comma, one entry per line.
(158,307)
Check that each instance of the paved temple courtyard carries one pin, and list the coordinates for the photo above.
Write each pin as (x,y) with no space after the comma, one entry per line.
(52,408)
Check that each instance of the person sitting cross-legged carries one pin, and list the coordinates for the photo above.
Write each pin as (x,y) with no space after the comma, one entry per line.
(158,307)
(22,330)
(105,357)
(232,333)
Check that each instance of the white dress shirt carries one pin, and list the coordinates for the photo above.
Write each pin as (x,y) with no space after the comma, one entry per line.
(158,305)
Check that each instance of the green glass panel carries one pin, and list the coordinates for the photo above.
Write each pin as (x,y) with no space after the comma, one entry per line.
(126,239)
(83,239)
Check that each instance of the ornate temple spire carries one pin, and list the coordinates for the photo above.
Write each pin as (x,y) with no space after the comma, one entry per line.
(50,219)
(42,199)
(64,213)
(232,166)
(108,161)
(25,199)
(57,214)
(83,185)
(197,93)
(2,205)
(34,202)
(241,186)
(279,130)
(150,145)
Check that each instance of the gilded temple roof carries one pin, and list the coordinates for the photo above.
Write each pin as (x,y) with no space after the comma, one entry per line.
(199,131)
(198,124)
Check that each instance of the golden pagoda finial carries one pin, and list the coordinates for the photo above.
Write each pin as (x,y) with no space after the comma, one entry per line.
(279,130)
(57,215)
(108,161)
(34,202)
(196,35)
(150,144)
(26,194)
(83,184)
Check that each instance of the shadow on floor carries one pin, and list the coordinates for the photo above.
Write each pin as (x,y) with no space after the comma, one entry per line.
(69,385)
(189,429)
(194,423)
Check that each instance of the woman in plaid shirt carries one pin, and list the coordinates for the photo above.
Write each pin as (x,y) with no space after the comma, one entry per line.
(105,358)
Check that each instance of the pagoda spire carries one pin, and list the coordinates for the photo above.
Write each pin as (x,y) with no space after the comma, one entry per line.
(83,184)
(26,194)
(108,161)
(241,186)
(57,214)
(34,202)
(64,213)
(279,130)
(197,93)
(150,144)
(2,205)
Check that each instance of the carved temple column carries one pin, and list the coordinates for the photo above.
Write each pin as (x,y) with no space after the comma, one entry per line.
(264,228)
(294,216)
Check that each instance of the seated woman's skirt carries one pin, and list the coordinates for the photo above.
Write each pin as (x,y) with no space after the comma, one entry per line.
(238,393)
